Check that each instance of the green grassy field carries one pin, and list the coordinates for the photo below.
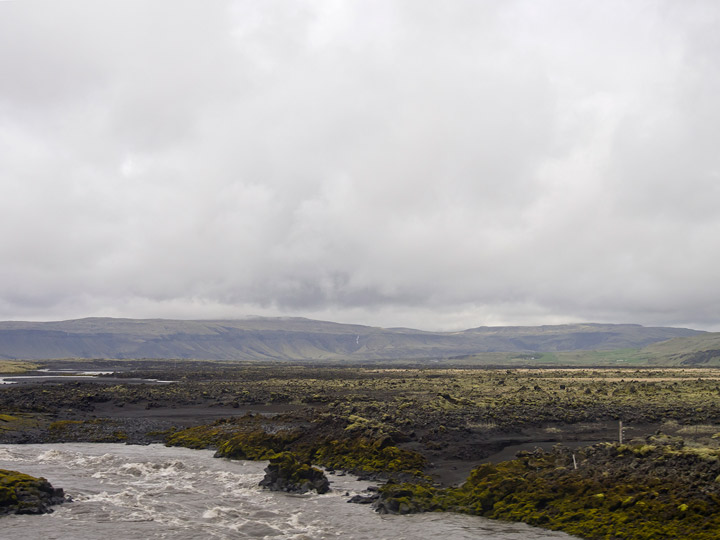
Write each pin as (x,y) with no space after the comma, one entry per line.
(16,366)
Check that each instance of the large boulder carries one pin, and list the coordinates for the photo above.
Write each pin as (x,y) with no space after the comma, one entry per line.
(24,494)
(286,473)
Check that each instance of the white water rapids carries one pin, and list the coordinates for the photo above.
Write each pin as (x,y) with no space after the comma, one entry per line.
(152,492)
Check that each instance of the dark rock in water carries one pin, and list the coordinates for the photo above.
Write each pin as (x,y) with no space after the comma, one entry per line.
(24,494)
(364,499)
(395,500)
(286,473)
(393,506)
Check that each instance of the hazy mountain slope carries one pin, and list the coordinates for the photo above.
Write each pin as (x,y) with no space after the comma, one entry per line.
(699,350)
(568,337)
(300,339)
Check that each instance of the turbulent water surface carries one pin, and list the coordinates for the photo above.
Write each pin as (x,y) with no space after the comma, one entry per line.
(144,492)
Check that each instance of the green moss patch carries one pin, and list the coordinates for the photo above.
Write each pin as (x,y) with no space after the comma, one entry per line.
(257,438)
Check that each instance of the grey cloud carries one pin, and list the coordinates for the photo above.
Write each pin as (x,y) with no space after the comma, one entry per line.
(398,163)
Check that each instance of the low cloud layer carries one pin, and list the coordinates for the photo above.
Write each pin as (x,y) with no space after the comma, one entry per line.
(399,163)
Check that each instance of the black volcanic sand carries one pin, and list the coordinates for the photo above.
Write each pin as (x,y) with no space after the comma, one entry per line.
(455,418)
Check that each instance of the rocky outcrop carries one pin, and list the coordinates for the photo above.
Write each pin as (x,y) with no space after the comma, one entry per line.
(286,473)
(24,494)
(656,488)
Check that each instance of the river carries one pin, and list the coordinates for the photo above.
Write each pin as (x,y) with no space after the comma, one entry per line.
(152,492)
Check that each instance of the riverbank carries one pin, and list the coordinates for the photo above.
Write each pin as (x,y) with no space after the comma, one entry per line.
(660,488)
(155,492)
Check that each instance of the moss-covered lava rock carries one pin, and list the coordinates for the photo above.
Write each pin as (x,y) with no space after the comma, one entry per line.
(659,489)
(286,473)
(24,494)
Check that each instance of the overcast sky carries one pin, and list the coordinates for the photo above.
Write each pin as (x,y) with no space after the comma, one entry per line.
(438,165)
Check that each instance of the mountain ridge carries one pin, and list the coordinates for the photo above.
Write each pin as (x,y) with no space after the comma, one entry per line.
(302,339)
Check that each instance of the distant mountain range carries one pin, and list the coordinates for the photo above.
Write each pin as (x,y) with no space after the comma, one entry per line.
(304,339)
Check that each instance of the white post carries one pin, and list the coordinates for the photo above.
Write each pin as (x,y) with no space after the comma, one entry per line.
(620,432)
(574,462)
